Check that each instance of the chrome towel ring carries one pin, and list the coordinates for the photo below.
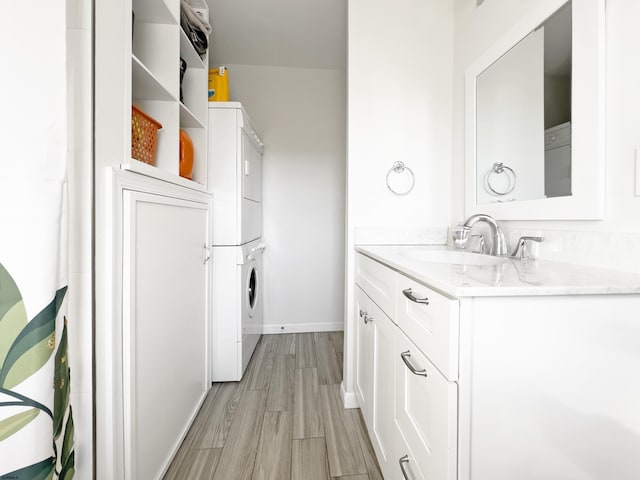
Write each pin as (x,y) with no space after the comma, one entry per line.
(402,184)
(500,168)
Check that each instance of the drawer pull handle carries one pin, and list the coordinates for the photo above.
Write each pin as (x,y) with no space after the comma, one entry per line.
(402,461)
(407,293)
(363,313)
(367,319)
(405,356)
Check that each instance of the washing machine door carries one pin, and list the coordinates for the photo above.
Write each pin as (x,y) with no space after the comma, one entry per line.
(252,290)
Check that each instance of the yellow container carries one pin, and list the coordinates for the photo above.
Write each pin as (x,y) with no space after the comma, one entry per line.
(219,84)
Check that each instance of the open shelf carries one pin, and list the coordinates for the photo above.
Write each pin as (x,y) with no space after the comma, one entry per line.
(145,85)
(188,53)
(154,172)
(188,119)
(158,43)
(155,11)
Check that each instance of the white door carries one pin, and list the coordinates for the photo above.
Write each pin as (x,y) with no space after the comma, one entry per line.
(383,432)
(364,355)
(164,325)
(251,169)
(426,409)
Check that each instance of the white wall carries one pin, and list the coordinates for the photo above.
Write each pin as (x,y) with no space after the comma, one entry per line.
(615,241)
(399,102)
(301,116)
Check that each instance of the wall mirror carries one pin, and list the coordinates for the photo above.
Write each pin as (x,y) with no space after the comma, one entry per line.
(534,109)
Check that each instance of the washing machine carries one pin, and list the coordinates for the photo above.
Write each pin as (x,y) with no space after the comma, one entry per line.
(236,308)
(234,171)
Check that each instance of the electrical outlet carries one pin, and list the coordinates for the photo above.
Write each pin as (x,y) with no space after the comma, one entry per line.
(637,161)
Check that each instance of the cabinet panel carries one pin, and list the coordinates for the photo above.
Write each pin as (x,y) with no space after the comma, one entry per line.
(382,432)
(425,412)
(164,325)
(431,321)
(251,170)
(364,356)
(378,281)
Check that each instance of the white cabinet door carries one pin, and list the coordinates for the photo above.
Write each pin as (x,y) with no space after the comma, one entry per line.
(164,325)
(383,431)
(426,409)
(364,355)
(251,169)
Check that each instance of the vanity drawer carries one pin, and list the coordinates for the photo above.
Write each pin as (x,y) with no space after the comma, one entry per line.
(426,414)
(430,320)
(379,283)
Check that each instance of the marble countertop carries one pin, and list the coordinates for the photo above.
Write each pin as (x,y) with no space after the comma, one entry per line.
(511,278)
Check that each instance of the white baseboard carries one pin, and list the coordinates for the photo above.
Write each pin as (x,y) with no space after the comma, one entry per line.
(349,399)
(303,328)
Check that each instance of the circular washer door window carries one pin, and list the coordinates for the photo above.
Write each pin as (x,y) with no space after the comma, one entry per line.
(252,289)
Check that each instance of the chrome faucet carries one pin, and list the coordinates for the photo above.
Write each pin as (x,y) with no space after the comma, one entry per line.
(498,242)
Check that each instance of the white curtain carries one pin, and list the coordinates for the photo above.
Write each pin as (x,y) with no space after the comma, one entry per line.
(36,425)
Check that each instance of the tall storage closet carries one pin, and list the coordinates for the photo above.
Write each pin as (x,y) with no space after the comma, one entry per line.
(152,241)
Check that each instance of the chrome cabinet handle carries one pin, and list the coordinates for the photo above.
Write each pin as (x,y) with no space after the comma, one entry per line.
(207,253)
(365,316)
(407,293)
(405,356)
(402,461)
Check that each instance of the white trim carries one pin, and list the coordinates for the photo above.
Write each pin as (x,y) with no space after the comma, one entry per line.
(302,328)
(587,201)
(349,399)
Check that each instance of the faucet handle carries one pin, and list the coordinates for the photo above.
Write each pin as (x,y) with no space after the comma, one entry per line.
(461,236)
(521,251)
(482,246)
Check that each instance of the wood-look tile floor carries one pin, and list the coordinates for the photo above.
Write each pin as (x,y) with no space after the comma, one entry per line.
(283,421)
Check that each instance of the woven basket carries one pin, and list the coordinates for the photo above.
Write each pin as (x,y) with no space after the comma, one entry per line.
(144,136)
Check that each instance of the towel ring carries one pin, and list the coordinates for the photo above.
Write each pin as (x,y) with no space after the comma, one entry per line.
(400,168)
(500,168)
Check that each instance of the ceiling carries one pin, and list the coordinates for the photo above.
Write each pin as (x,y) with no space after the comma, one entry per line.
(287,33)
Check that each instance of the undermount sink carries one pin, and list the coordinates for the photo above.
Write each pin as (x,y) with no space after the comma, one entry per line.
(452,257)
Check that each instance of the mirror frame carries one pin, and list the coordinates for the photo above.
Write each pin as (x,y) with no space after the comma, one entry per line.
(587,201)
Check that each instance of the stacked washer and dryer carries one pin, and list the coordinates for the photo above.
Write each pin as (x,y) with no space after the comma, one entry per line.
(235,178)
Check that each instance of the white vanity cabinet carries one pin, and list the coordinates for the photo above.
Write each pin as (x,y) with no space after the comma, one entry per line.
(530,378)
(374,375)
(408,405)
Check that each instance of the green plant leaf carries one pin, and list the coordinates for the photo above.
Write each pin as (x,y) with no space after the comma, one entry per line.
(11,325)
(13,316)
(61,384)
(38,471)
(68,469)
(41,328)
(67,443)
(9,293)
(11,425)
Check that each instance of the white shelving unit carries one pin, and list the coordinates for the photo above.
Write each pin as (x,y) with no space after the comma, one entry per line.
(152,230)
(158,44)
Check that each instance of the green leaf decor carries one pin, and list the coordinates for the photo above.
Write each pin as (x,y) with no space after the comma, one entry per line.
(11,425)
(25,347)
(43,470)
(61,384)
(33,346)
